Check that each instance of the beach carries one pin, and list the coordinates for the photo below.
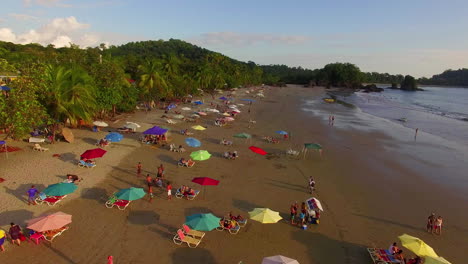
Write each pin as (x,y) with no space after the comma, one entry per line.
(370,192)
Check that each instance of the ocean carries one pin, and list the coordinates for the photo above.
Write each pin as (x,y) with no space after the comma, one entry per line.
(440,150)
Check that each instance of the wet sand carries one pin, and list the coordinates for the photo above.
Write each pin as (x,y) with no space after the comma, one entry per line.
(369,199)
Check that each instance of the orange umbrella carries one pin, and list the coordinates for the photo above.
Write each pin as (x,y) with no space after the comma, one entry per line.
(49,222)
(68,135)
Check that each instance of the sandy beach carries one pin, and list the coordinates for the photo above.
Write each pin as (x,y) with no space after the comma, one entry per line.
(369,197)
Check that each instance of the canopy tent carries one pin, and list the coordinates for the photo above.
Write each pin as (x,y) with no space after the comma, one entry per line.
(315,146)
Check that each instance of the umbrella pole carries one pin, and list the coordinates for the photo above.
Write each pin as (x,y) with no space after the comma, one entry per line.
(6,150)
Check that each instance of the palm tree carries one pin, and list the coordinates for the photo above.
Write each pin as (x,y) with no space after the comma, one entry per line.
(151,80)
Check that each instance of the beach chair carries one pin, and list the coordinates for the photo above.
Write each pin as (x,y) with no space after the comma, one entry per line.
(180,195)
(49,200)
(193,233)
(52,234)
(180,164)
(39,148)
(191,197)
(113,201)
(242,222)
(180,238)
(233,230)
(85,164)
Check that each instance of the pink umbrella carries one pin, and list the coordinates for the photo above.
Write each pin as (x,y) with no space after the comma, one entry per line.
(49,222)
(93,153)
(205,181)
(258,150)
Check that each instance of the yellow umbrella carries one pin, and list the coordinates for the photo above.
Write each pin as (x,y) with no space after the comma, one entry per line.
(438,260)
(417,246)
(265,216)
(198,127)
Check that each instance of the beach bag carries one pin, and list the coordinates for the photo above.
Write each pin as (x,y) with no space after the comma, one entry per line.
(22,237)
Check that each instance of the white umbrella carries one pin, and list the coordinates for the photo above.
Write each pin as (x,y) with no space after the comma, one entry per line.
(313,203)
(279,260)
(100,124)
(186,108)
(213,110)
(132,125)
(240,104)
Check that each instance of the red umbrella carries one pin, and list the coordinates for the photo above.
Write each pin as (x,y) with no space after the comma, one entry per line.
(205,181)
(258,150)
(110,260)
(93,153)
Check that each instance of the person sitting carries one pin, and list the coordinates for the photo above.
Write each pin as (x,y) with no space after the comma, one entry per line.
(227,224)
(183,161)
(89,161)
(181,149)
(71,178)
(415,260)
(235,218)
(234,155)
(158,182)
(103,143)
(227,155)
(184,132)
(190,162)
(189,192)
(399,256)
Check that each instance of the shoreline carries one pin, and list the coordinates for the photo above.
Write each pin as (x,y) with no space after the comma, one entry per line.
(357,179)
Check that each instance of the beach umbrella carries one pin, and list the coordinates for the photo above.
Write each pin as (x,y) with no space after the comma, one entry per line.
(132,125)
(200,155)
(5,88)
(130,194)
(68,135)
(314,203)
(417,246)
(281,132)
(155,131)
(279,260)
(202,222)
(93,153)
(49,222)
(242,135)
(198,127)
(438,260)
(258,150)
(223,98)
(201,113)
(229,119)
(178,116)
(195,116)
(248,100)
(204,181)
(60,189)
(186,108)
(226,114)
(198,102)
(100,124)
(193,142)
(265,216)
(114,137)
(212,110)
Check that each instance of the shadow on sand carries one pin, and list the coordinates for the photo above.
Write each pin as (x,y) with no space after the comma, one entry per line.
(387,221)
(16,216)
(69,157)
(188,255)
(21,191)
(141,217)
(245,206)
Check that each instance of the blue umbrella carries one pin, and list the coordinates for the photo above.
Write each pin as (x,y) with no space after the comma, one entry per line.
(114,137)
(198,102)
(155,131)
(5,88)
(223,98)
(248,100)
(282,132)
(193,142)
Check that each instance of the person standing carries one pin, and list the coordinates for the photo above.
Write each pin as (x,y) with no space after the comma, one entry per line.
(139,169)
(311,184)
(293,212)
(329,120)
(32,195)
(332,120)
(438,225)
(2,239)
(149,182)
(416,133)
(169,190)
(160,173)
(15,232)
(430,223)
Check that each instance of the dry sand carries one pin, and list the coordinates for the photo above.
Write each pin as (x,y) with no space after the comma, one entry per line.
(369,198)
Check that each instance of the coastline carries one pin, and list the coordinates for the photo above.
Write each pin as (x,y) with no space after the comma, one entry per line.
(369,197)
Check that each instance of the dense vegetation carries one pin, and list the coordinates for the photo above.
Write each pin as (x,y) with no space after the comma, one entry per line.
(70,84)
(448,77)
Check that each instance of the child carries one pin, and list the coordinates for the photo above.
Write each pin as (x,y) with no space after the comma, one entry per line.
(139,169)
(169,190)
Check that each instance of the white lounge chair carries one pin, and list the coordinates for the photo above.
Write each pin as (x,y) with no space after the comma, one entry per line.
(39,148)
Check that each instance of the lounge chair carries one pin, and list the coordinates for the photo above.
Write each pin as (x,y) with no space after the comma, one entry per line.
(39,148)
(180,238)
(193,233)
(242,222)
(186,164)
(49,200)
(170,121)
(189,197)
(233,230)
(113,201)
(50,235)
(85,164)
(225,143)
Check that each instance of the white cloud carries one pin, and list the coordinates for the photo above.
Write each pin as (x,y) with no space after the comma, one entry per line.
(23,17)
(245,39)
(47,3)
(7,34)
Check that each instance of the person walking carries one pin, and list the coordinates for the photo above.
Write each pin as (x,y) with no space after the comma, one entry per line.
(15,232)
(169,190)
(430,223)
(332,120)
(32,195)
(139,169)
(311,184)
(416,133)
(149,182)
(438,225)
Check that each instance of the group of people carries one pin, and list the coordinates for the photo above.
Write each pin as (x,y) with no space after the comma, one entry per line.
(186,163)
(186,191)
(231,155)
(155,139)
(303,216)
(434,224)
(397,254)
(14,233)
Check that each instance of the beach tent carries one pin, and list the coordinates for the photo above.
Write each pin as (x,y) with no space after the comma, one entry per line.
(279,260)
(49,222)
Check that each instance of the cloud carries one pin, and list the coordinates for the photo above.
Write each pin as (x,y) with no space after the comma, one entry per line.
(46,3)
(7,34)
(245,39)
(23,17)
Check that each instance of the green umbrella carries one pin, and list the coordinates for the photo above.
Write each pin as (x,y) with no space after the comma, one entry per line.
(242,135)
(200,155)
(202,222)
(60,189)
(312,146)
(130,194)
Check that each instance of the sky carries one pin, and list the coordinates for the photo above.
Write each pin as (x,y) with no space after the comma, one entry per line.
(417,37)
